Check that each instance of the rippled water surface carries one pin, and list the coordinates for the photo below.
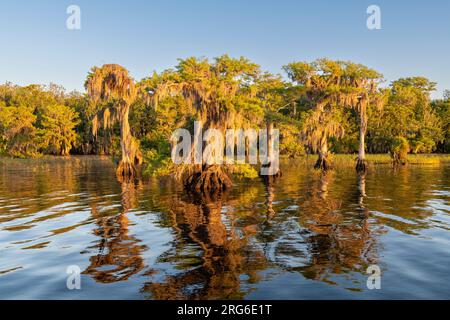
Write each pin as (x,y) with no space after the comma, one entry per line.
(305,236)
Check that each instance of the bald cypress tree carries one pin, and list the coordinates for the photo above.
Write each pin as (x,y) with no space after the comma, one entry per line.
(112,84)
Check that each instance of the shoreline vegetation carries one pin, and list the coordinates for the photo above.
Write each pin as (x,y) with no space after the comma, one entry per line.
(349,160)
(342,161)
(329,113)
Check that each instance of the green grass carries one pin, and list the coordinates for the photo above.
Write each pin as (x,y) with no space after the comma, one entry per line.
(339,160)
(347,160)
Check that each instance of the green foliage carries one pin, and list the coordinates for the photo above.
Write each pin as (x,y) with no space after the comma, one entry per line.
(328,90)
(321,100)
(17,132)
(86,143)
(244,171)
(442,110)
(349,142)
(348,160)
(399,150)
(291,147)
(157,164)
(410,114)
(35,119)
(423,145)
(56,132)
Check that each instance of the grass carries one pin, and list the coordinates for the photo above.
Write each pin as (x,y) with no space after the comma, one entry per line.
(347,160)
(339,161)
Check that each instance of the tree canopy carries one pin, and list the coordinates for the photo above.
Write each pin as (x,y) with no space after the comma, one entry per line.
(322,106)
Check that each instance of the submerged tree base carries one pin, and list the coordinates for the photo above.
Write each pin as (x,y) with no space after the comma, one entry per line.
(126,171)
(361,165)
(211,179)
(397,163)
(323,163)
(273,177)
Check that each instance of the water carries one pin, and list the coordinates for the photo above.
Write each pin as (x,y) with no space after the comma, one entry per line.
(305,236)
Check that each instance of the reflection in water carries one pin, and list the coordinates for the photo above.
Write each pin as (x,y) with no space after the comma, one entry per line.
(225,253)
(269,182)
(336,243)
(362,190)
(307,233)
(118,254)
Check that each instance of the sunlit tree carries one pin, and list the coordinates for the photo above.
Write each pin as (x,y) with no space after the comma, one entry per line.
(319,90)
(57,132)
(17,131)
(326,87)
(112,84)
(214,90)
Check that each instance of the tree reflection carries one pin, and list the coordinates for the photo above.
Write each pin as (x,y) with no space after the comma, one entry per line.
(269,183)
(226,256)
(362,191)
(119,254)
(337,242)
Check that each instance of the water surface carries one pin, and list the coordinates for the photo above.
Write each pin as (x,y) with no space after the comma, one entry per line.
(304,236)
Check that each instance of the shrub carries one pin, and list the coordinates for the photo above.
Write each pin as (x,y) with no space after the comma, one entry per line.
(399,150)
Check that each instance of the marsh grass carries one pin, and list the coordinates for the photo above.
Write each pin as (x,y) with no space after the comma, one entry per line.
(349,160)
(242,171)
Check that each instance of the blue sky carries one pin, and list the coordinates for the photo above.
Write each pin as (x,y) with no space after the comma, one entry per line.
(148,35)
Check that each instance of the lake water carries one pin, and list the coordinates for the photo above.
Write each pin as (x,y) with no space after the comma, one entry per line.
(304,236)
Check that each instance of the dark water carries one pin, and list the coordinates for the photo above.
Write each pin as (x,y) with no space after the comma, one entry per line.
(306,236)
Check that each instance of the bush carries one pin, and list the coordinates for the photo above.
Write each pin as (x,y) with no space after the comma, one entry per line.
(291,147)
(399,150)
(244,171)
(156,164)
(423,145)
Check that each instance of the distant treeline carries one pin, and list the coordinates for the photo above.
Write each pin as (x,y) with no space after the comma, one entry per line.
(36,119)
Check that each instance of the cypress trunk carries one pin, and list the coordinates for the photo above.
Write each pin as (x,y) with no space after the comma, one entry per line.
(210,179)
(126,168)
(361,165)
(205,178)
(271,153)
(323,162)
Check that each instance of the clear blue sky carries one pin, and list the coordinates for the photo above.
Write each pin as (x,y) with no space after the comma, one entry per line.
(147,35)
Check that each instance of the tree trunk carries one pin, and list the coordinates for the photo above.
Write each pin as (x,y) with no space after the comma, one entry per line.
(204,178)
(209,180)
(271,153)
(361,165)
(324,162)
(126,168)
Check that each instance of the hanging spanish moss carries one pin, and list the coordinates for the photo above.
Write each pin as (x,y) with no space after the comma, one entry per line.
(112,84)
(209,89)
(328,87)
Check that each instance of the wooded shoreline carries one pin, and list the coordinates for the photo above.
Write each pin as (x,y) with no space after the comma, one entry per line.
(326,107)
